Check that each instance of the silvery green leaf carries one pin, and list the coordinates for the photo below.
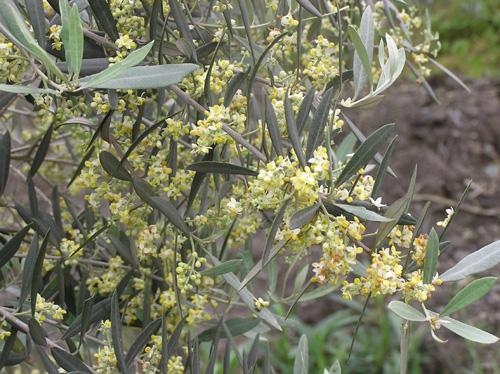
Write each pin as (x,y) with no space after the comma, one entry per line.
(293,132)
(307,5)
(145,77)
(366,151)
(363,213)
(431,257)
(470,293)
(318,123)
(71,36)
(272,126)
(26,90)
(226,267)
(236,327)
(36,16)
(363,73)
(5,147)
(303,217)
(247,297)
(396,210)
(114,71)
(12,25)
(467,331)
(476,262)
(318,292)
(406,311)
(74,46)
(335,368)
(104,17)
(301,364)
(217,167)
(363,56)
(450,74)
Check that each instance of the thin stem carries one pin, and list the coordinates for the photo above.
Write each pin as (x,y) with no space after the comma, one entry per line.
(357,327)
(404,346)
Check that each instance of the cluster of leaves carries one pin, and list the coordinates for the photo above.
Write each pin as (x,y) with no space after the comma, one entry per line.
(166,163)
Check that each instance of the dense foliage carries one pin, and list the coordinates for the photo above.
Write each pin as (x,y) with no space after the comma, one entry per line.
(153,148)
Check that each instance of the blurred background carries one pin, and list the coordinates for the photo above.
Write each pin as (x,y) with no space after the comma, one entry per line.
(452,142)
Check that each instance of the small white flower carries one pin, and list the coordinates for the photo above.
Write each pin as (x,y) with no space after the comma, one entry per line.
(449,213)
(377,202)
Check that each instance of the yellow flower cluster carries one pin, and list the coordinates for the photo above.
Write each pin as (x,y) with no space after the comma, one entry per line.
(384,276)
(209,130)
(425,43)
(46,309)
(12,63)
(222,71)
(105,358)
(320,62)
(3,333)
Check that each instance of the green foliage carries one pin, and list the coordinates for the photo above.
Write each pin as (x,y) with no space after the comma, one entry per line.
(470,32)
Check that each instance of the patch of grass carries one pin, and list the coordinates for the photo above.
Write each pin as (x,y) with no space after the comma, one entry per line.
(470,35)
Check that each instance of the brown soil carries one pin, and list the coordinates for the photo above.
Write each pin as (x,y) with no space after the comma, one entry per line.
(451,143)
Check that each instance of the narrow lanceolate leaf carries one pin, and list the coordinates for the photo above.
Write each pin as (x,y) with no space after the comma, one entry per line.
(28,269)
(221,168)
(26,90)
(450,74)
(13,26)
(246,24)
(365,153)
(41,152)
(301,363)
(363,43)
(274,230)
(318,123)
(361,138)
(10,248)
(112,166)
(104,17)
(36,281)
(431,257)
(36,16)
(305,108)
(117,69)
(146,77)
(116,333)
(74,46)
(273,128)
(86,315)
(47,362)
(180,21)
(406,311)
(37,333)
(236,327)
(143,189)
(307,5)
(226,267)
(383,168)
(248,298)
(468,332)
(69,362)
(99,312)
(303,217)
(476,262)
(397,211)
(140,342)
(5,146)
(363,213)
(470,293)
(293,133)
